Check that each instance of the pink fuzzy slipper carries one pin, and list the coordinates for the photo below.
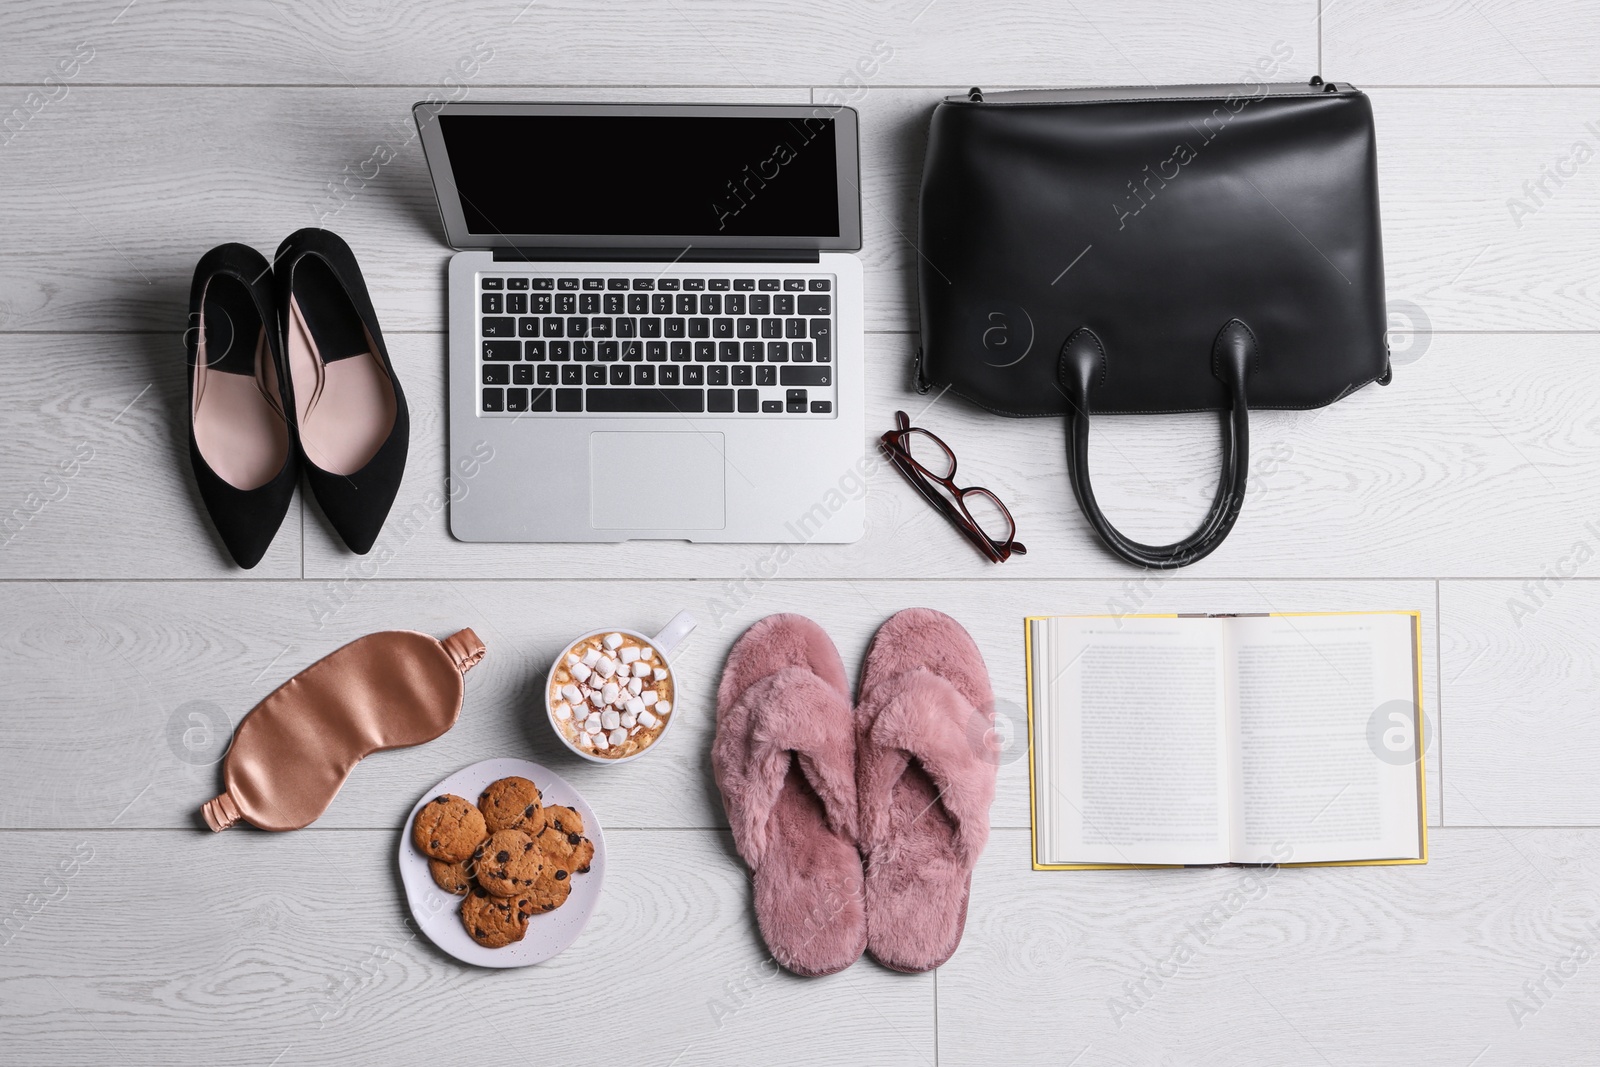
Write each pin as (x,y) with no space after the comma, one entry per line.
(784,757)
(926,781)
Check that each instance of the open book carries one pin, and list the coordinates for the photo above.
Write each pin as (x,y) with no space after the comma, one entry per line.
(1199,740)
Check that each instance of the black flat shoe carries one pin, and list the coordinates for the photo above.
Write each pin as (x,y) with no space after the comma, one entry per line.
(240,444)
(349,411)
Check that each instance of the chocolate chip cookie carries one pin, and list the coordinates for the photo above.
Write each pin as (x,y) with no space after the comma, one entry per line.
(512,804)
(495,922)
(454,878)
(551,889)
(448,828)
(563,819)
(561,847)
(508,863)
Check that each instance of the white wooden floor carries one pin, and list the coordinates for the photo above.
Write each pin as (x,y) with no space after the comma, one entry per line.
(146,132)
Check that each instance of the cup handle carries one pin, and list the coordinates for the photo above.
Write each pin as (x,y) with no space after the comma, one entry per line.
(673,633)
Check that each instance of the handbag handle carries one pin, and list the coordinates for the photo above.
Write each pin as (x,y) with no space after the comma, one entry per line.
(1083,366)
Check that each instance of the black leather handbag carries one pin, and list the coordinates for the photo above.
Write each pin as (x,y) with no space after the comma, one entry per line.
(1147,250)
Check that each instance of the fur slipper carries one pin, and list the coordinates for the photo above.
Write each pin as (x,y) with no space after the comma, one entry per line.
(925,781)
(784,758)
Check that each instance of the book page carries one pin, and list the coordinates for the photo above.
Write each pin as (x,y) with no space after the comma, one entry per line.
(1130,750)
(1313,697)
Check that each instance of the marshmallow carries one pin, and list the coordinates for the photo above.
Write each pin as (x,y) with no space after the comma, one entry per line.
(600,742)
(613,640)
(580,672)
(635,685)
(636,706)
(595,698)
(570,691)
(609,693)
(641,669)
(649,697)
(585,741)
(647,720)
(664,707)
(563,711)
(591,657)
(629,654)
(618,736)
(633,731)
(647,652)
(660,674)
(608,719)
(606,667)
(572,658)
(592,723)
(629,719)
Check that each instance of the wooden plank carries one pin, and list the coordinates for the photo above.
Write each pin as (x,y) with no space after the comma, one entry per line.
(1470,42)
(123,695)
(1329,965)
(1520,682)
(766,42)
(168,947)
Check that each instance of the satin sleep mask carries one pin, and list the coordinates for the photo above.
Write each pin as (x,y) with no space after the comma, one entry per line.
(293,751)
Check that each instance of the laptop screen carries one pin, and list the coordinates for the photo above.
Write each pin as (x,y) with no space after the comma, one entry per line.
(573,176)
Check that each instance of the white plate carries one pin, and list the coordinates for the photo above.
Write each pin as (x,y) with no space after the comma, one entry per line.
(438,914)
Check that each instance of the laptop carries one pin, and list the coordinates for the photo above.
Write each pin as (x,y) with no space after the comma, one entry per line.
(655,321)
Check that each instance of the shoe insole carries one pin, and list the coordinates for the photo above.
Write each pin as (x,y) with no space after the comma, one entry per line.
(343,397)
(238,425)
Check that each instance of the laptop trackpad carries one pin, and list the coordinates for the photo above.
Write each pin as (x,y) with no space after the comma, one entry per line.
(645,480)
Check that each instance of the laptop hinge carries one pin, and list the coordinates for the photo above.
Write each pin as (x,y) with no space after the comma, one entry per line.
(659,255)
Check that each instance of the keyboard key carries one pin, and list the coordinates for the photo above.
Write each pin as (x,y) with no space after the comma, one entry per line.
(522,374)
(734,304)
(569,399)
(667,375)
(661,304)
(644,376)
(614,304)
(748,327)
(655,351)
(621,375)
(539,399)
(794,327)
(749,400)
(717,376)
(651,401)
(504,351)
(680,351)
(594,375)
(672,327)
(594,283)
(609,352)
(783,304)
(500,327)
(694,376)
(496,375)
(644,283)
(796,401)
(686,304)
(494,399)
(761,304)
(546,375)
(777,351)
(494,283)
(528,327)
(718,285)
(705,351)
(794,285)
(695,284)
(822,334)
(771,407)
(638,303)
(821,407)
(814,305)
(711,304)
(616,283)
(667,283)
(801,351)
(771,327)
(560,350)
(699,327)
(566,303)
(572,375)
(533,350)
(719,327)
(805,375)
(577,326)
(541,283)
(746,284)
(719,399)
(649,327)
(753,352)
(539,303)
(516,400)
(600,327)
(766,375)
(769,285)
(517,283)
(629,327)
(589,304)
(583,350)
(820,285)
(567,283)
(728,351)
(551,327)
(516,303)
(632,351)
(742,376)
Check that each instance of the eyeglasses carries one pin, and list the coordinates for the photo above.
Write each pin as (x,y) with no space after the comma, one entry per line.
(929,465)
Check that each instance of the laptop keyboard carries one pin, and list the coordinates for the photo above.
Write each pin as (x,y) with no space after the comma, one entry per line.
(759,347)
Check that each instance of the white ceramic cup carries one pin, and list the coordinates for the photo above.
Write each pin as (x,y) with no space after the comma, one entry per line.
(670,637)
